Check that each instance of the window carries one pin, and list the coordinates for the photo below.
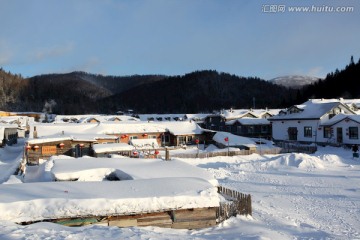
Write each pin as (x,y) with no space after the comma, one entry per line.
(264,129)
(307,131)
(133,137)
(353,133)
(229,128)
(251,129)
(239,129)
(165,138)
(181,140)
(152,136)
(327,132)
(221,128)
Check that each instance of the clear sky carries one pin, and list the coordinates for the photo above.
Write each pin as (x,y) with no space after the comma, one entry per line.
(123,37)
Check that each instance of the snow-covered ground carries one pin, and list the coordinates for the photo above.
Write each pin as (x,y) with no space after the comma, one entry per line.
(294,196)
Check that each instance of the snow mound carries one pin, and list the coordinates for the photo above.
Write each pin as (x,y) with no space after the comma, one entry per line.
(297,160)
(331,159)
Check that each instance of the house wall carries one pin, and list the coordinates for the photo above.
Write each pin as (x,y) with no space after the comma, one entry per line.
(186,139)
(46,150)
(263,131)
(156,135)
(216,123)
(107,140)
(10,136)
(280,130)
(344,125)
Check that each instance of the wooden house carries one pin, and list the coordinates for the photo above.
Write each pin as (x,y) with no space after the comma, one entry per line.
(217,122)
(183,133)
(250,127)
(41,149)
(242,122)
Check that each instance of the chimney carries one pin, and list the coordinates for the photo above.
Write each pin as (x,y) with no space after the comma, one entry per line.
(35,135)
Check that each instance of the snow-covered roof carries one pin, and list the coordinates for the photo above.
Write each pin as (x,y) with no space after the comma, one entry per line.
(52,200)
(340,117)
(20,120)
(182,128)
(162,117)
(236,113)
(312,109)
(88,168)
(10,125)
(233,140)
(249,121)
(44,129)
(73,137)
(87,118)
(197,116)
(112,147)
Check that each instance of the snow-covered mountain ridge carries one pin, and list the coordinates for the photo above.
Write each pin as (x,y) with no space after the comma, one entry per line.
(294,81)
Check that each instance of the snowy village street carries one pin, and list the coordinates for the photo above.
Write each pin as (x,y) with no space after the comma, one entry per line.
(294,196)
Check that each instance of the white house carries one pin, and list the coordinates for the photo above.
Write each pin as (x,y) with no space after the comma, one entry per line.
(341,129)
(302,123)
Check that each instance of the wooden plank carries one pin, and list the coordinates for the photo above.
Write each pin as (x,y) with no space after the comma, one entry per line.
(137,216)
(190,219)
(196,214)
(123,223)
(155,223)
(193,224)
(154,219)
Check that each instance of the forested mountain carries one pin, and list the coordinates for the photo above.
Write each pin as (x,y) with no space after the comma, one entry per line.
(200,91)
(12,90)
(344,84)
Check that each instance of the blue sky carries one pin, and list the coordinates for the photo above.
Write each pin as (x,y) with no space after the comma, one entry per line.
(175,37)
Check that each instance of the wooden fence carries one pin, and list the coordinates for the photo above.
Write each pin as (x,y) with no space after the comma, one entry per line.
(291,147)
(238,203)
(226,153)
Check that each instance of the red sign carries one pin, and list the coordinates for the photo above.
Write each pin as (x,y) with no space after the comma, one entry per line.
(197,141)
(226,139)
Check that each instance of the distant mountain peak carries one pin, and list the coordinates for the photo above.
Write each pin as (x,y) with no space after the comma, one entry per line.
(294,81)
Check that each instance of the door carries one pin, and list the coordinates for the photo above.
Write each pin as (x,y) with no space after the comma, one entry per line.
(292,131)
(339,135)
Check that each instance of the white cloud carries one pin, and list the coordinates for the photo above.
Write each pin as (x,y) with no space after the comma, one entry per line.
(50,52)
(316,72)
(91,64)
(6,53)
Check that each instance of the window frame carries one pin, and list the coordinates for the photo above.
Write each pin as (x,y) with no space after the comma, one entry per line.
(355,134)
(308,131)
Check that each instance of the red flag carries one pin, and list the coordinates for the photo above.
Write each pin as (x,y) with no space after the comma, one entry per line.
(226,139)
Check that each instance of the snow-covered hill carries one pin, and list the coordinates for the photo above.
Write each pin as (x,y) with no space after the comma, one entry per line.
(294,81)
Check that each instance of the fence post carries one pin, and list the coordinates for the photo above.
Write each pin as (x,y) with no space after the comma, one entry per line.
(167,154)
